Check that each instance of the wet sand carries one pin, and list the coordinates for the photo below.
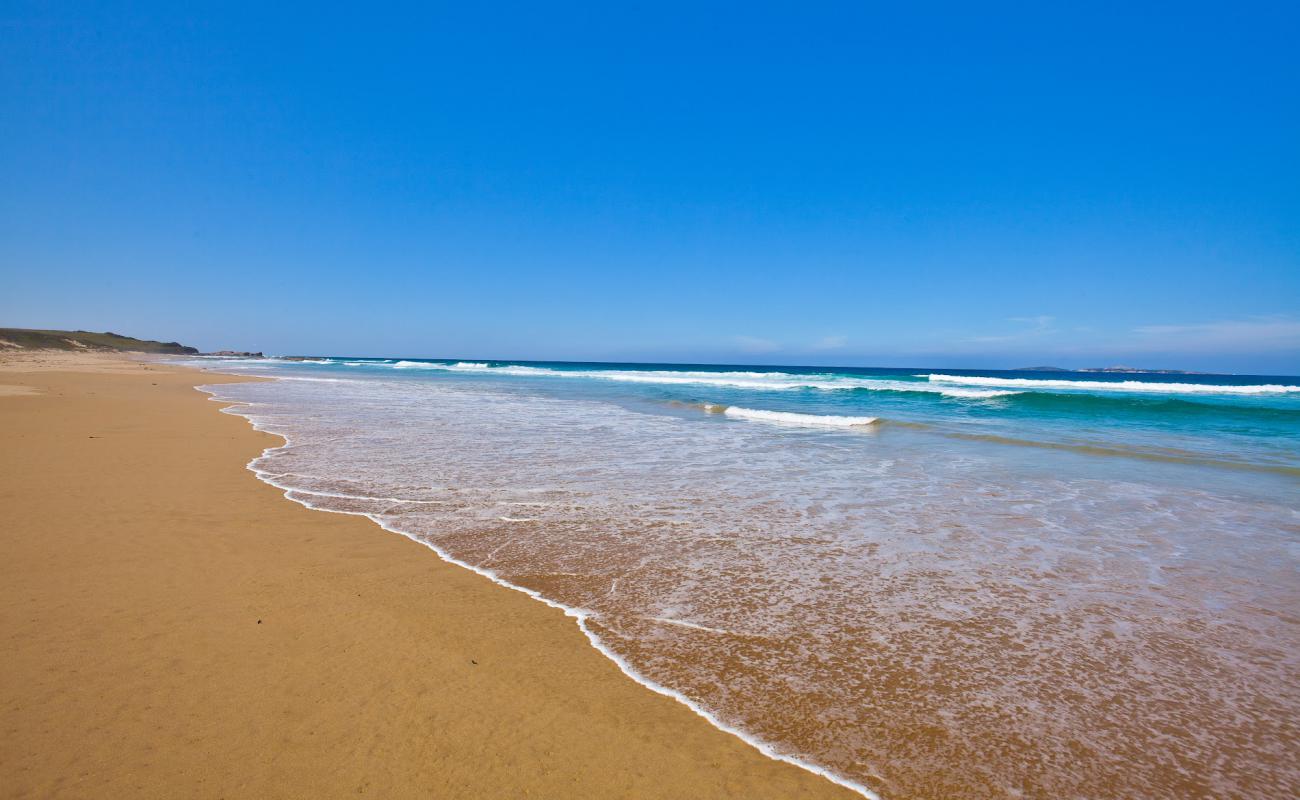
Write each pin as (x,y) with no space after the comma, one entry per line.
(175,628)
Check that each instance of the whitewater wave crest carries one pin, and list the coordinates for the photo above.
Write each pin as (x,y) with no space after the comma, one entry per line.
(1111,386)
(791,418)
(756,381)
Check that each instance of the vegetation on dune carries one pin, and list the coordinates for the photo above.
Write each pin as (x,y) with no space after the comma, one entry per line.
(30,339)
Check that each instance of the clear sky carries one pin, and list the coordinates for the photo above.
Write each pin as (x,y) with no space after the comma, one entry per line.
(922,184)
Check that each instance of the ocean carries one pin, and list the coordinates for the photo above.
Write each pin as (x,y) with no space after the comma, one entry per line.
(920,583)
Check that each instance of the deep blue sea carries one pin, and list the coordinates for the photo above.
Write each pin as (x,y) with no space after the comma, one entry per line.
(962,583)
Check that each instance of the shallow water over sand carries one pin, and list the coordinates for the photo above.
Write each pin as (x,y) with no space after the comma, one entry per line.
(922,609)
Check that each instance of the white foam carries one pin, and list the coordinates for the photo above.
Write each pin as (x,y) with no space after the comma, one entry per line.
(681,623)
(580,615)
(979,394)
(459,365)
(757,381)
(780,381)
(474,366)
(1113,386)
(366,497)
(790,418)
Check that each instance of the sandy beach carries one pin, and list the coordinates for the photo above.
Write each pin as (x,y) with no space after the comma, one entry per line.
(175,628)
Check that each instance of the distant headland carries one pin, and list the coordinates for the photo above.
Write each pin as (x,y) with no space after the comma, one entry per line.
(33,339)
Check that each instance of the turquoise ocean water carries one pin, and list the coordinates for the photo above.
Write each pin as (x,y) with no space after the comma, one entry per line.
(918,582)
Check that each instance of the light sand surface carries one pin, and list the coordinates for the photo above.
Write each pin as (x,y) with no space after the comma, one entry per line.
(75,361)
(173,627)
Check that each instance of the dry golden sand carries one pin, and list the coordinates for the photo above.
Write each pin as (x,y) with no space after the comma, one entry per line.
(173,627)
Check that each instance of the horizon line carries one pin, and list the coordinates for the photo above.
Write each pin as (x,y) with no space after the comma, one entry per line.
(1117,369)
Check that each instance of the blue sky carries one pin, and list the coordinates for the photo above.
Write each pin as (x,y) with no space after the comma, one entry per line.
(859,183)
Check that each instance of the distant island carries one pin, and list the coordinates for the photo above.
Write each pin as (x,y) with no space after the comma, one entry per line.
(34,339)
(1119,369)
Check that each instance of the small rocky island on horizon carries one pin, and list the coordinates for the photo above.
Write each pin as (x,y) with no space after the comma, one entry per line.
(1115,369)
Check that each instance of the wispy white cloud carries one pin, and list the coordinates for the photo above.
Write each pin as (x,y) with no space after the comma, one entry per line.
(1031,328)
(829,343)
(753,344)
(1042,322)
(1256,334)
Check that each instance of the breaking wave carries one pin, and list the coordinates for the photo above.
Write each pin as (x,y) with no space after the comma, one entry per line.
(756,381)
(791,418)
(1111,386)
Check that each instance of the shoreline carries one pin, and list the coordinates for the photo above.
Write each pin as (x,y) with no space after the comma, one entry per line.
(579,616)
(137,666)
